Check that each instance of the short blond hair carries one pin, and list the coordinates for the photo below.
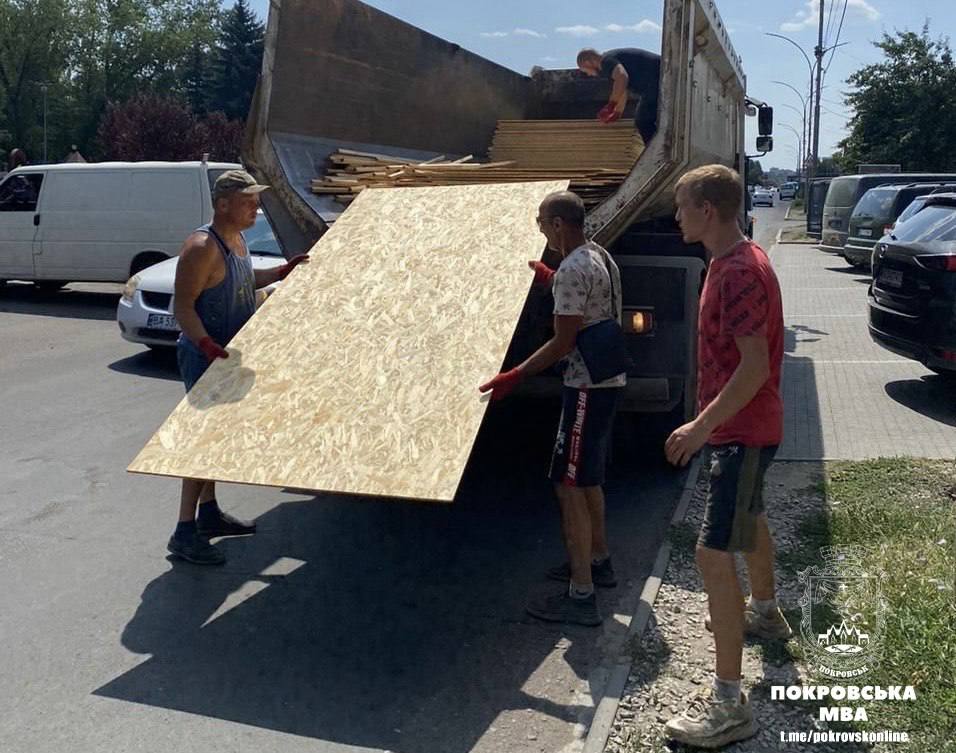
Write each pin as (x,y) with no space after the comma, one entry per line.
(717,184)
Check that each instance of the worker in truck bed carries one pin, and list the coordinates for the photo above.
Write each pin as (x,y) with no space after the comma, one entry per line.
(586,288)
(215,295)
(630,70)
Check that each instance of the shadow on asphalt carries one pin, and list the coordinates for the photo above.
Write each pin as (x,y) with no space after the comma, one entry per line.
(24,298)
(933,396)
(393,625)
(155,364)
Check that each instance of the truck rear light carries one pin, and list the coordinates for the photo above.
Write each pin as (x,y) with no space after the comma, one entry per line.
(637,322)
(938,262)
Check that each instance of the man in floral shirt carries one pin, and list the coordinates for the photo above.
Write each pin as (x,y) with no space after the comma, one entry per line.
(583,296)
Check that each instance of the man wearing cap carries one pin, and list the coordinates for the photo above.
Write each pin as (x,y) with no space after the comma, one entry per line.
(215,295)
(630,70)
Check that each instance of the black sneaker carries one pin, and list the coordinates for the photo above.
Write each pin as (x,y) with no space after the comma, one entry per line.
(195,549)
(601,575)
(563,608)
(223,524)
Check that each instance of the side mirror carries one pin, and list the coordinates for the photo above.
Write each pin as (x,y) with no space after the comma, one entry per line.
(765,144)
(765,120)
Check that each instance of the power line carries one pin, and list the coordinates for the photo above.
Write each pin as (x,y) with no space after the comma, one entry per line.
(826,34)
(839,31)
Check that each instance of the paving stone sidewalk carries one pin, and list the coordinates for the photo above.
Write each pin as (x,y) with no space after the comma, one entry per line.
(845,397)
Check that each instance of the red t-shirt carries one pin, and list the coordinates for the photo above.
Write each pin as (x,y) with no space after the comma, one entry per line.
(741,298)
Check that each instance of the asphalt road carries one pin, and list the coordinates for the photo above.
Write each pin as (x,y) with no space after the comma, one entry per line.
(345,624)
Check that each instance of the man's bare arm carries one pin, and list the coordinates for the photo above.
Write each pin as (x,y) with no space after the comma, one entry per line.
(619,90)
(197,261)
(566,330)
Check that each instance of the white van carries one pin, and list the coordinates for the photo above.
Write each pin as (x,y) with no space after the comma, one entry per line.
(100,222)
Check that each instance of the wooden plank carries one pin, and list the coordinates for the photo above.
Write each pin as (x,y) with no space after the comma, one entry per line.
(360,374)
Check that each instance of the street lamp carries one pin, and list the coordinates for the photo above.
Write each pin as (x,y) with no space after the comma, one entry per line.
(810,69)
(800,153)
(805,141)
(44,86)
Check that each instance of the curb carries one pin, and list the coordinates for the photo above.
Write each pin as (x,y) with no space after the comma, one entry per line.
(600,729)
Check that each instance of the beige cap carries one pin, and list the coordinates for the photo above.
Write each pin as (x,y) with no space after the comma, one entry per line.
(233,181)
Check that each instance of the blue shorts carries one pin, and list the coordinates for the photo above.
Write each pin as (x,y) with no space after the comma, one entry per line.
(580,449)
(192,362)
(734,496)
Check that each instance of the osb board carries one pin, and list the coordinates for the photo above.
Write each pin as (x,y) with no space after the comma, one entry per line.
(361,373)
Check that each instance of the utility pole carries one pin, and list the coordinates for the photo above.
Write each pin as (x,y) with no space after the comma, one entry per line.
(818,52)
(44,87)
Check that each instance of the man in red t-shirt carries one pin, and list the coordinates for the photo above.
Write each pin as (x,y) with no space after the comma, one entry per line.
(740,419)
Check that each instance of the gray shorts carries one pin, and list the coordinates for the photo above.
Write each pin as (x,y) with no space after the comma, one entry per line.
(734,496)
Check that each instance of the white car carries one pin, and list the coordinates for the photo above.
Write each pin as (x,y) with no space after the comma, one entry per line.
(763,197)
(145,310)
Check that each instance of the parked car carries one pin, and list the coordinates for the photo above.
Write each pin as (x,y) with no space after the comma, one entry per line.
(763,197)
(145,310)
(99,222)
(912,298)
(846,190)
(788,191)
(874,215)
(816,195)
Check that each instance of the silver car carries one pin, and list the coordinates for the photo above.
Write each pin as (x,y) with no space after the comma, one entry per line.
(145,310)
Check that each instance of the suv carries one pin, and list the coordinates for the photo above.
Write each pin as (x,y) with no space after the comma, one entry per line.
(912,298)
(874,216)
(788,191)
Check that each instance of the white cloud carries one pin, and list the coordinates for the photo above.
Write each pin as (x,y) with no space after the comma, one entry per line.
(516,33)
(577,31)
(640,27)
(809,16)
(549,59)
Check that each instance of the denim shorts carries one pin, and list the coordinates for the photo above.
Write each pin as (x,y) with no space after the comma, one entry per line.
(734,496)
(192,362)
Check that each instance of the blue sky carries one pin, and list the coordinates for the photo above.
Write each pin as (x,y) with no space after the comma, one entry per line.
(524,33)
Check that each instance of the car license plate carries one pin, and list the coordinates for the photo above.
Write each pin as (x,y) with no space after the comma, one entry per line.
(162,321)
(865,232)
(891,277)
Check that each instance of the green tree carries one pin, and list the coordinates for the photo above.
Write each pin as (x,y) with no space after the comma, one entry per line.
(33,49)
(904,109)
(238,59)
(754,173)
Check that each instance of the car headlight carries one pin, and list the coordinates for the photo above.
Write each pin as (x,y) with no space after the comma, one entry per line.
(130,290)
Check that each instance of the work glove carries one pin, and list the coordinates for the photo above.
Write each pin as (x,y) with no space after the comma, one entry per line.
(609,113)
(292,264)
(503,384)
(543,274)
(211,349)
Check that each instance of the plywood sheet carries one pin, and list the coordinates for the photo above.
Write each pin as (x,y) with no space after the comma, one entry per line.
(360,373)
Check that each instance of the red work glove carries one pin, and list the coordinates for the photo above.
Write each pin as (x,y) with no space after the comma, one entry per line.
(292,264)
(609,113)
(503,384)
(542,272)
(211,349)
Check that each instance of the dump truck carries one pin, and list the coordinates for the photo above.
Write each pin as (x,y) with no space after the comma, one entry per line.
(339,74)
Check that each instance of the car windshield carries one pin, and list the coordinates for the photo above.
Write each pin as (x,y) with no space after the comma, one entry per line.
(936,222)
(260,239)
(841,191)
(918,203)
(877,202)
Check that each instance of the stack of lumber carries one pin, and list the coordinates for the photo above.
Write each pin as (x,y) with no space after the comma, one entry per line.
(594,157)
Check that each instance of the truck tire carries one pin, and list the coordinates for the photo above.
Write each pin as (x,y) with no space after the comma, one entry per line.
(49,286)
